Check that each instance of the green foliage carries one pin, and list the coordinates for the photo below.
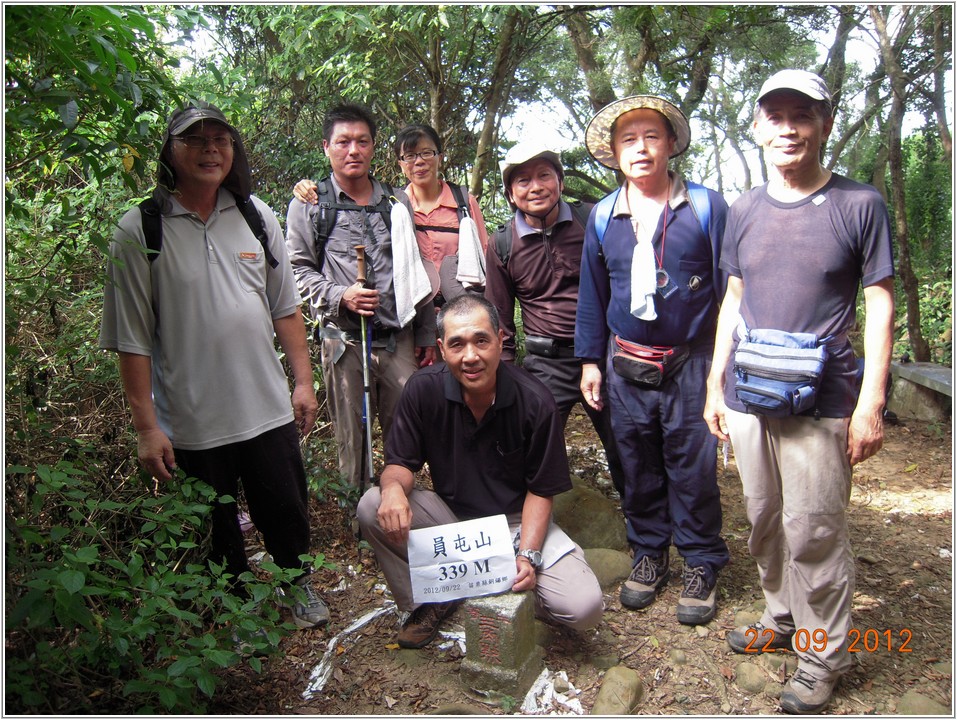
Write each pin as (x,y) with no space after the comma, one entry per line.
(83,85)
(929,207)
(107,589)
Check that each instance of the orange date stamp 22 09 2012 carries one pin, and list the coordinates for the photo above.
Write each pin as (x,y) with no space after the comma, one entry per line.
(870,640)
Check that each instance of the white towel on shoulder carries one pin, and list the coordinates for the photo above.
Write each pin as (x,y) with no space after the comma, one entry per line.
(643,284)
(409,277)
(471,272)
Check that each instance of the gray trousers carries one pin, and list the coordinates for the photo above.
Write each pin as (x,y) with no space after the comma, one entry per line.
(566,592)
(797,485)
(388,372)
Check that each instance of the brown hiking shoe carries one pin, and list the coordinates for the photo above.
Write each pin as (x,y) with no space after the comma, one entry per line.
(423,624)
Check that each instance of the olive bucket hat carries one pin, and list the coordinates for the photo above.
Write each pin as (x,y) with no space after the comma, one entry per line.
(598,132)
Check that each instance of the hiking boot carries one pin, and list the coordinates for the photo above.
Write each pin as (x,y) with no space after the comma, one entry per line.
(696,606)
(311,611)
(754,638)
(806,694)
(422,625)
(647,579)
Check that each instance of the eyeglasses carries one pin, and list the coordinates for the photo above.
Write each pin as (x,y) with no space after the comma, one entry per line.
(410,157)
(198,142)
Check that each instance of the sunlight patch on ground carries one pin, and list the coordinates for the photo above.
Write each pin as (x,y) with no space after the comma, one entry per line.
(923,501)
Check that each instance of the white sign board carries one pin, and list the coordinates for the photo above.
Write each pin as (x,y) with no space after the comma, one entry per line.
(461,560)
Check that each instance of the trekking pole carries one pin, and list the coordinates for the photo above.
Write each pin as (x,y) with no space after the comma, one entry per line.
(366,387)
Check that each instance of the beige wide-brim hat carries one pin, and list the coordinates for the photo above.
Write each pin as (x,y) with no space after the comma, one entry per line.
(598,132)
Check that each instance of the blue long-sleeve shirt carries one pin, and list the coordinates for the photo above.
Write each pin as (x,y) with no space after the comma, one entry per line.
(688,316)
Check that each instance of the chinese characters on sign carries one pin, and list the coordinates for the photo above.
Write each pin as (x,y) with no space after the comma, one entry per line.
(461,560)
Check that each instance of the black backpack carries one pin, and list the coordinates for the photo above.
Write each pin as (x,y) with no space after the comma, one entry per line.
(462,208)
(153,226)
(325,220)
(503,236)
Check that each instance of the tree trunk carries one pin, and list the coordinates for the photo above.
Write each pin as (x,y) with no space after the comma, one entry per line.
(501,87)
(941,18)
(895,158)
(597,80)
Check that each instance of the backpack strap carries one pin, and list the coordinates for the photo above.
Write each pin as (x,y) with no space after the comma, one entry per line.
(325,220)
(580,212)
(461,201)
(255,222)
(152,219)
(700,203)
(603,211)
(502,240)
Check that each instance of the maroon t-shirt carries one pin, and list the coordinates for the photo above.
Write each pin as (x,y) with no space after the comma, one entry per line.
(486,468)
(801,264)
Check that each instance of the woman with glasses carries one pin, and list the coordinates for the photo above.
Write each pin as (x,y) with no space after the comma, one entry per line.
(418,150)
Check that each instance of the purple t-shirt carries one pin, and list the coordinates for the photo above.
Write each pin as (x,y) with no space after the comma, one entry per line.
(802,264)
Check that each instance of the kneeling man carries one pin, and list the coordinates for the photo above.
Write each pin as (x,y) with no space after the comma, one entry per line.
(492,436)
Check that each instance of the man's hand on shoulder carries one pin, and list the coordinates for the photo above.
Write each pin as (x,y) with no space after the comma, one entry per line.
(305,192)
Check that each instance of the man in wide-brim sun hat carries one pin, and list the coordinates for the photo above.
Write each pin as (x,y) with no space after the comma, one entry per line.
(650,277)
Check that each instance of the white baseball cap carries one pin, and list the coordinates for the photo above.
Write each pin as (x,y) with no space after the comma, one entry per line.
(521,153)
(802,81)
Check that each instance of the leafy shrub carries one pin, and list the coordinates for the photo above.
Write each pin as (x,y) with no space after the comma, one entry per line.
(110,605)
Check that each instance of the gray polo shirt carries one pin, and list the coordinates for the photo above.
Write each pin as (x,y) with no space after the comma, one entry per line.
(339,266)
(203,311)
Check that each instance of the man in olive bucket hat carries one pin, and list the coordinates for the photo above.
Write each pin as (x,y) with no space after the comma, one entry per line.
(194,327)
(650,277)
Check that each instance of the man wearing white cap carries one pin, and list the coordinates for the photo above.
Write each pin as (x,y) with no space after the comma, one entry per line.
(650,283)
(535,258)
(796,251)
(194,326)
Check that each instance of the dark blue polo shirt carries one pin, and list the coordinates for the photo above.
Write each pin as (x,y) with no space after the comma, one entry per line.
(485,468)
(689,316)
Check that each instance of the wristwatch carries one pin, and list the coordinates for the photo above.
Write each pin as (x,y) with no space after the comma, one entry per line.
(534,557)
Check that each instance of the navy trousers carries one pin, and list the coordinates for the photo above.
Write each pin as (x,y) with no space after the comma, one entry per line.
(670,461)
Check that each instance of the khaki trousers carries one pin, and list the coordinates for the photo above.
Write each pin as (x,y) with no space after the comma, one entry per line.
(566,592)
(797,485)
(388,373)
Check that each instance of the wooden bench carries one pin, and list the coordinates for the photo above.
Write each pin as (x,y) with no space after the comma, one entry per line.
(921,390)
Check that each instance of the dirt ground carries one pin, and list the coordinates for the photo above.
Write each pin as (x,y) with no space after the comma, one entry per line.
(901,533)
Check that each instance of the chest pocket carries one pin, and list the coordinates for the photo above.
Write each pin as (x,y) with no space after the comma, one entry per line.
(251,271)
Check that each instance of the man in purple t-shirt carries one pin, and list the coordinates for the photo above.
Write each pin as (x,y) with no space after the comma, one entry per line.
(796,251)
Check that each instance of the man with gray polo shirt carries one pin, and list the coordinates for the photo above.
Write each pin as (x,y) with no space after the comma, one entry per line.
(194,326)
(813,237)
(326,269)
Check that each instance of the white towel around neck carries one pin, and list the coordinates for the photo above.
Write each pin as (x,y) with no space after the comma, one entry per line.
(409,277)
(643,283)
(471,272)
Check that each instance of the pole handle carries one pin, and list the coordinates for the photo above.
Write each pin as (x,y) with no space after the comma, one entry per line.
(360,264)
